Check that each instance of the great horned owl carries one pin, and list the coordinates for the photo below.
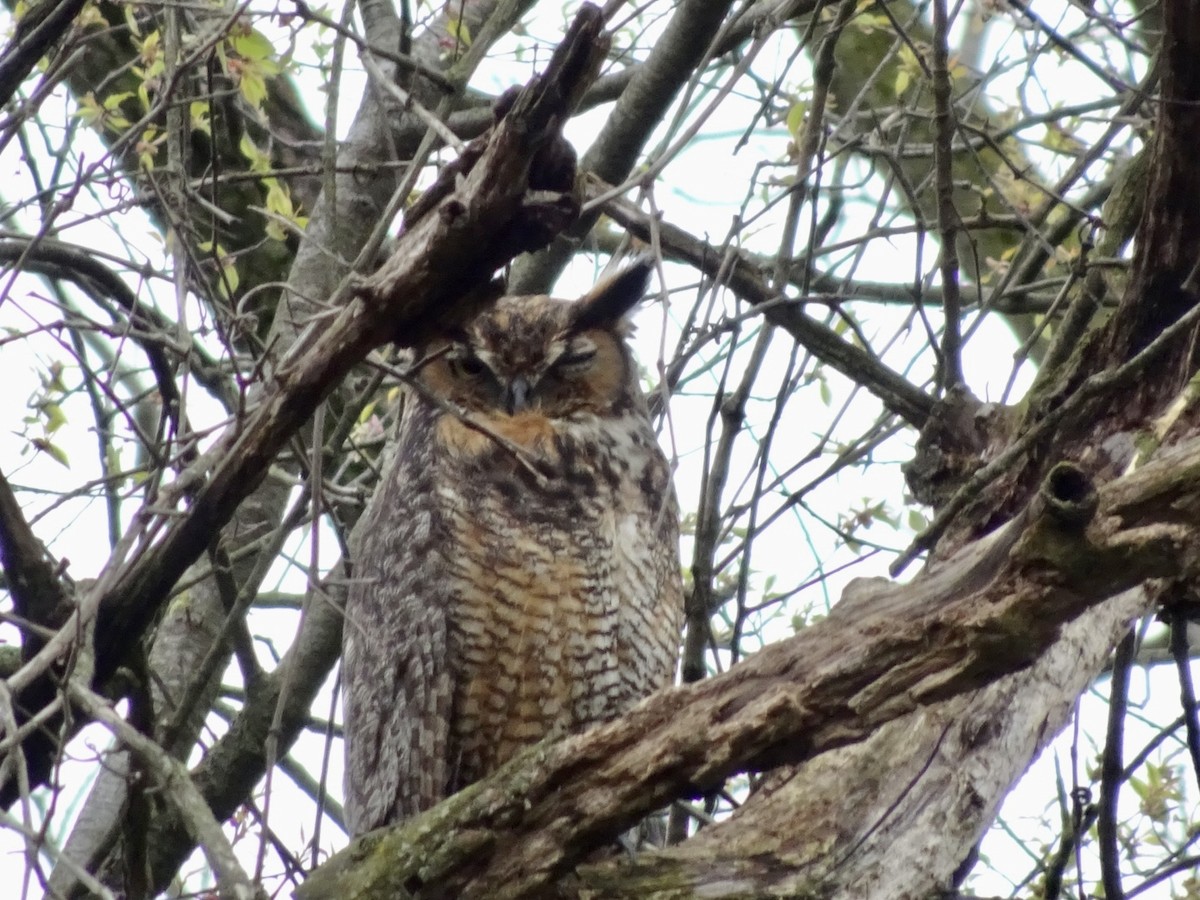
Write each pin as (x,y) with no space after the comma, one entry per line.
(518,573)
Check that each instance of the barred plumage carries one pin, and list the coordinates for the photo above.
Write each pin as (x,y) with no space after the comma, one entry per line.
(519,575)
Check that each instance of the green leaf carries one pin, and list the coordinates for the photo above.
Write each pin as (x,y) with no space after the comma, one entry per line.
(795,119)
(53,417)
(252,45)
(54,451)
(199,113)
(253,87)
(259,161)
(112,464)
(458,30)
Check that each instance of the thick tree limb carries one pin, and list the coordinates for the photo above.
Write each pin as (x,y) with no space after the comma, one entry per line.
(885,651)
(856,823)
(29,573)
(1163,285)
(41,26)
(42,602)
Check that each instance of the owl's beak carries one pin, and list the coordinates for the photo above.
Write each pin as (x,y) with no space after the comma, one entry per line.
(516,396)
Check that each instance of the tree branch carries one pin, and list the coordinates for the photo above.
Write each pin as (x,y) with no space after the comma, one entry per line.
(950,364)
(33,581)
(885,651)
(42,25)
(638,111)
(173,780)
(896,392)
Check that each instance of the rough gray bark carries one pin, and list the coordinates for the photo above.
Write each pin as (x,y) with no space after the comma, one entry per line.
(895,816)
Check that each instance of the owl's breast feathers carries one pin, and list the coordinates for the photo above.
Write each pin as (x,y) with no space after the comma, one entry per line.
(574,455)
(564,614)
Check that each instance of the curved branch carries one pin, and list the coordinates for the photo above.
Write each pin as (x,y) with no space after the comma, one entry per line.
(68,262)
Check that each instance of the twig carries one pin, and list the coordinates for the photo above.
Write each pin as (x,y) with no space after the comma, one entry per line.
(14,763)
(1187,691)
(1071,49)
(146,326)
(743,278)
(235,620)
(367,48)
(810,141)
(702,601)
(950,363)
(1112,769)
(86,879)
(408,101)
(177,785)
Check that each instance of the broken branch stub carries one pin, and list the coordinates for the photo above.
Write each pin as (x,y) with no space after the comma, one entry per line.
(510,191)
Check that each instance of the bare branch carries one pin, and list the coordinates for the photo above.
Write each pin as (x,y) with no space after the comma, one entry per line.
(35,33)
(744,279)
(174,781)
(950,365)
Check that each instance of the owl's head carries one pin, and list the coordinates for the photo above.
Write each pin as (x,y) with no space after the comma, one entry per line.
(536,354)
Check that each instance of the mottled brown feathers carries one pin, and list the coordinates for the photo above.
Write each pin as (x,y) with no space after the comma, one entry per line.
(518,574)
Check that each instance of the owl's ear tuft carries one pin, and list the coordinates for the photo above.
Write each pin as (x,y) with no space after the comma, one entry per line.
(608,302)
